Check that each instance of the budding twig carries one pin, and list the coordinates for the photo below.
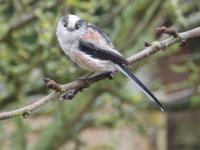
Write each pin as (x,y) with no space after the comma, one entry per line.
(78,85)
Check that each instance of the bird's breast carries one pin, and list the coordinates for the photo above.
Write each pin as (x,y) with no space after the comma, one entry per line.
(89,63)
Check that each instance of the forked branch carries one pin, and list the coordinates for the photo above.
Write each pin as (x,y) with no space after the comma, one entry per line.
(72,88)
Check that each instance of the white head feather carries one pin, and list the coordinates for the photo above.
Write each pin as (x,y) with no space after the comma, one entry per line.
(72,20)
(66,38)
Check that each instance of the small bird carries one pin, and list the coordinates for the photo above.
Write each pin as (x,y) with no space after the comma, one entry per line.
(90,47)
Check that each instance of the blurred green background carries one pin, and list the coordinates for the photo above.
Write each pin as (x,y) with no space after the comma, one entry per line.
(111,114)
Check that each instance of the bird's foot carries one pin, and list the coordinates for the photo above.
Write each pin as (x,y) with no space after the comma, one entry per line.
(68,95)
(111,75)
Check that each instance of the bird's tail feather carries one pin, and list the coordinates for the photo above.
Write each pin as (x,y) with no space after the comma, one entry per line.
(131,76)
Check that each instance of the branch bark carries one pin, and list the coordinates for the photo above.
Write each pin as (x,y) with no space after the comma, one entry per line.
(78,85)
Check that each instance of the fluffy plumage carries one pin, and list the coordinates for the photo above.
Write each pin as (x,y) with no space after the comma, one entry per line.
(91,48)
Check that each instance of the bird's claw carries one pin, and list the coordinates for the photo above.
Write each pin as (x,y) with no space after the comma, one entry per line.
(68,95)
(111,75)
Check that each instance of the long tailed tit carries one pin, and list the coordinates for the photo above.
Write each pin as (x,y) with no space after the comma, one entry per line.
(91,49)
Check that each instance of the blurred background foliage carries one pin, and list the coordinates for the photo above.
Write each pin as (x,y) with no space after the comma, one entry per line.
(29,51)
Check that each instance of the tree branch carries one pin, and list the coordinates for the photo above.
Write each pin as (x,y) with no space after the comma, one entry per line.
(71,89)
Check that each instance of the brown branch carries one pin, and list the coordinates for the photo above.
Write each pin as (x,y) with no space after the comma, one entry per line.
(170,31)
(76,86)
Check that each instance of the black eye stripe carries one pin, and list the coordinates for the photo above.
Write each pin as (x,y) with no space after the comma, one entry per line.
(79,23)
(65,20)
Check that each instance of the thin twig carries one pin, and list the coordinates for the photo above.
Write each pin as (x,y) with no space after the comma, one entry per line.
(170,31)
(79,85)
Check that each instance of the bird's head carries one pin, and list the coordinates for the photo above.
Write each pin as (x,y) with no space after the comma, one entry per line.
(70,28)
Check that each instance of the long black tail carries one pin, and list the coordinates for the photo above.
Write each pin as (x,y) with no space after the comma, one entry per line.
(130,75)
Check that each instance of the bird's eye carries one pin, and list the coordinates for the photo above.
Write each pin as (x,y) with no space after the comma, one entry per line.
(77,25)
(65,25)
(65,21)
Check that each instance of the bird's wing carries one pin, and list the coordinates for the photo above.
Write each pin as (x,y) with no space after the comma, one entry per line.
(96,43)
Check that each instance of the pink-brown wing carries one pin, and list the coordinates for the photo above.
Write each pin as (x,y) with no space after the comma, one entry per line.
(96,43)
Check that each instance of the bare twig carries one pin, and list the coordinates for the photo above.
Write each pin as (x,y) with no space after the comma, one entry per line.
(79,85)
(157,46)
(75,85)
(171,31)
